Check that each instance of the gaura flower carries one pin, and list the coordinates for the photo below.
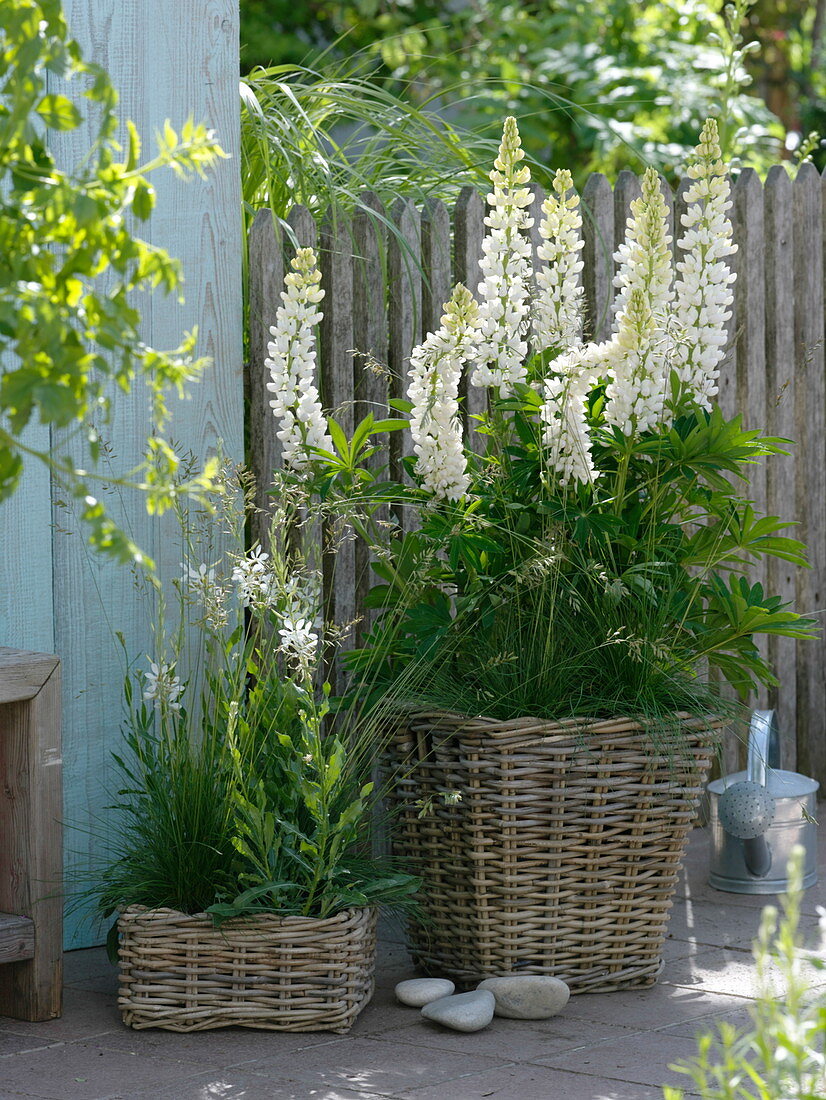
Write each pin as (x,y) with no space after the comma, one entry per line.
(162,686)
(298,639)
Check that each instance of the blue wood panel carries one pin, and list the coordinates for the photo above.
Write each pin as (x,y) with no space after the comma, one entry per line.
(26,606)
(167,61)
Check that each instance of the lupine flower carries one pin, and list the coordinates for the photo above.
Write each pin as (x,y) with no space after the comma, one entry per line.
(636,358)
(565,434)
(557,319)
(702,289)
(435,371)
(162,686)
(296,403)
(636,392)
(504,311)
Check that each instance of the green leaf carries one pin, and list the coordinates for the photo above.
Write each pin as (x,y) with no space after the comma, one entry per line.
(143,200)
(58,112)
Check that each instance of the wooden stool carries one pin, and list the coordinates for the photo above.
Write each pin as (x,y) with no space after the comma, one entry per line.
(31,856)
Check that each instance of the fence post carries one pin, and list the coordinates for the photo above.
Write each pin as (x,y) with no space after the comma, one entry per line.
(405,320)
(810,396)
(780,421)
(597,252)
(31,852)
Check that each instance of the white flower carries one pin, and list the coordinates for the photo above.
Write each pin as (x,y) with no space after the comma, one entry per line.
(298,639)
(565,434)
(435,371)
(253,579)
(292,359)
(504,311)
(202,577)
(557,320)
(162,686)
(637,361)
(637,356)
(702,289)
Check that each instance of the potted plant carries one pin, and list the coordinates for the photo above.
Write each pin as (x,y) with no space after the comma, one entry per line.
(241,879)
(564,579)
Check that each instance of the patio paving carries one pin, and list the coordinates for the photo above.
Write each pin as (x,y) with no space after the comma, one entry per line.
(614,1046)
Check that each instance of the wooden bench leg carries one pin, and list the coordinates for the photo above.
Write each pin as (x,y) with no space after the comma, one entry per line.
(31,801)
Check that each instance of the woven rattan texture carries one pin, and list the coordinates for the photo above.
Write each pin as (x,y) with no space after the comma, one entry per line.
(285,974)
(563,853)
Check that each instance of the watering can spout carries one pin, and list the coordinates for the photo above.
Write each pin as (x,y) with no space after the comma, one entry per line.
(757,856)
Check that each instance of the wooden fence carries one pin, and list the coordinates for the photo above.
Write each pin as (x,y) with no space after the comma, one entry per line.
(384,292)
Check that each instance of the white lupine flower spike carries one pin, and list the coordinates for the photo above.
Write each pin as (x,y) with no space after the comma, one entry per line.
(667,342)
(557,321)
(565,433)
(703,294)
(637,357)
(501,344)
(435,371)
(292,363)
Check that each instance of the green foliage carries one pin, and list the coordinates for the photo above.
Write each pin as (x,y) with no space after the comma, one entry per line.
(323,137)
(235,798)
(783,1053)
(595,600)
(71,266)
(598,86)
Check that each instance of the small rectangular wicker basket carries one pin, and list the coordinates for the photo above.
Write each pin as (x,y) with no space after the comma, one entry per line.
(179,972)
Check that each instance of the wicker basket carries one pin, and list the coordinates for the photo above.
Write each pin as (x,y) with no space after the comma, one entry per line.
(563,853)
(181,973)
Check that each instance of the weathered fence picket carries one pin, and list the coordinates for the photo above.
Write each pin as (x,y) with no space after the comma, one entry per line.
(781,477)
(810,434)
(385,294)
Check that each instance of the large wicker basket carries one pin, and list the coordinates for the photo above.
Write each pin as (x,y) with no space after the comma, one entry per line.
(561,853)
(181,973)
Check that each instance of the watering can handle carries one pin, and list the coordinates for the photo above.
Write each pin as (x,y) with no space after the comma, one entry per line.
(764,745)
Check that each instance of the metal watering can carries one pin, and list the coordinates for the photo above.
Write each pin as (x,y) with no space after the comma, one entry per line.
(757,816)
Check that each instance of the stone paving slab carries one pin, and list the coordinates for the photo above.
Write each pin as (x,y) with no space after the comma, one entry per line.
(614,1046)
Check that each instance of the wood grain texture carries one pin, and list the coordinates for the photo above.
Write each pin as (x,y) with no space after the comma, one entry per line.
(337,390)
(810,400)
(26,567)
(16,938)
(405,320)
(31,857)
(160,73)
(468,235)
(436,265)
(598,272)
(750,341)
(23,673)
(371,372)
(781,421)
(266,283)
